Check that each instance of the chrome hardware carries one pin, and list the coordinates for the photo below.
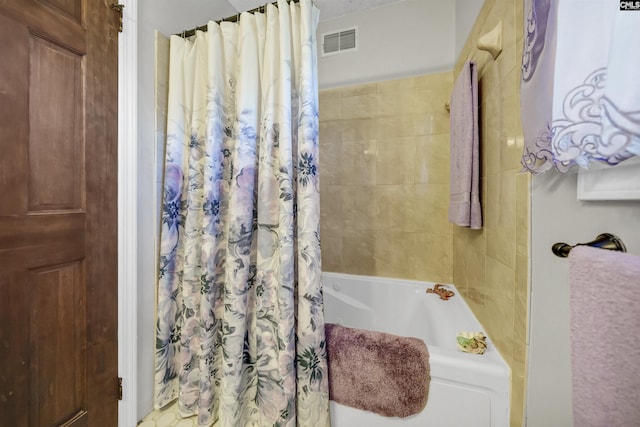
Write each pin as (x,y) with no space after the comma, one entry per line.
(603,241)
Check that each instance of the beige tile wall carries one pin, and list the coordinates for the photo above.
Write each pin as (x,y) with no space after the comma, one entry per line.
(384,150)
(491,266)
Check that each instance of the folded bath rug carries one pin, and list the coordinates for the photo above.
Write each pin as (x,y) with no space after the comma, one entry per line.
(378,372)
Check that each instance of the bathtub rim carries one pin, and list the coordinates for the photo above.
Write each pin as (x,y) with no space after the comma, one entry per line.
(491,370)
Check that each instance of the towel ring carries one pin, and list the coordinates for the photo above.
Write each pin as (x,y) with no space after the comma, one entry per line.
(603,241)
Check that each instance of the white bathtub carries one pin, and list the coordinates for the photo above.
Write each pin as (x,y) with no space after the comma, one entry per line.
(465,389)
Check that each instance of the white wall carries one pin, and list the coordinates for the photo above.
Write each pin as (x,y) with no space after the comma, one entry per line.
(466,14)
(558,217)
(147,222)
(395,41)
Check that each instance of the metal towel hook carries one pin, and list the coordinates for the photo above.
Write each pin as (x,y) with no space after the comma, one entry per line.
(603,241)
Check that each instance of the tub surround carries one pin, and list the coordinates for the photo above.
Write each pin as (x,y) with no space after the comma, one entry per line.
(384,153)
(491,266)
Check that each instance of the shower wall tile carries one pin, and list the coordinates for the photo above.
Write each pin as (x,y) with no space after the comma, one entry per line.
(431,100)
(491,266)
(436,260)
(331,132)
(357,207)
(396,208)
(331,156)
(395,160)
(431,161)
(432,123)
(391,250)
(332,219)
(384,162)
(331,249)
(360,90)
(502,300)
(396,101)
(501,242)
(358,130)
(389,87)
(161,95)
(359,106)
(390,127)
(330,105)
(439,81)
(523,202)
(461,264)
(356,163)
(507,61)
(511,144)
(358,252)
(475,263)
(519,18)
(433,208)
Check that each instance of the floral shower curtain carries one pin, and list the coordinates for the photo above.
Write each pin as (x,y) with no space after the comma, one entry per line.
(240,326)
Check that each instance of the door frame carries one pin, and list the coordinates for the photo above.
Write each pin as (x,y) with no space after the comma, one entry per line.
(127,214)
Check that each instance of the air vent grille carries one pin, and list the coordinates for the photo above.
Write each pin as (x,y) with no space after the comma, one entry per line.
(338,42)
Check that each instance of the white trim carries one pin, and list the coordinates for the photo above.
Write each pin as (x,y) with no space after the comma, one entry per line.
(127,215)
(604,182)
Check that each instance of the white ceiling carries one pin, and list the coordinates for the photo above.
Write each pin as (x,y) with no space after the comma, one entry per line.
(328,8)
(174,16)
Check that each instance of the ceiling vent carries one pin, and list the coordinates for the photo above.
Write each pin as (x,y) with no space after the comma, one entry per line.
(338,42)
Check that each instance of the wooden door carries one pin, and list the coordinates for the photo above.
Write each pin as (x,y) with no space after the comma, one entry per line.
(58,213)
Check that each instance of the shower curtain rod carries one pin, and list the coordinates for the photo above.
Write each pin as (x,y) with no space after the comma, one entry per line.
(232,18)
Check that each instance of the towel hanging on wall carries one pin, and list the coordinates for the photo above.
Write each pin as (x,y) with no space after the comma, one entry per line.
(464,192)
(580,91)
(605,317)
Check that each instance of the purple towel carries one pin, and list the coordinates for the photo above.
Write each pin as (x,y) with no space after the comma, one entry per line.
(464,193)
(605,349)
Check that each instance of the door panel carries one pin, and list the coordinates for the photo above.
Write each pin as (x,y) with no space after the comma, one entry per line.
(56,144)
(54,24)
(58,213)
(14,107)
(56,342)
(70,8)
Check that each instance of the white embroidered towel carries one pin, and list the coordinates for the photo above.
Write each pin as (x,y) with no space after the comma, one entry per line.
(580,93)
(620,105)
